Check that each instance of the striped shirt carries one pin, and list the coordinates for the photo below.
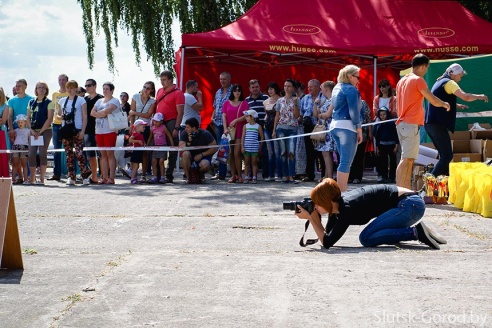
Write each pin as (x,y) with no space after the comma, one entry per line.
(252,138)
(257,105)
(219,101)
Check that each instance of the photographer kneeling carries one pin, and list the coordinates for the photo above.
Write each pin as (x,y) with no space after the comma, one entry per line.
(193,136)
(395,209)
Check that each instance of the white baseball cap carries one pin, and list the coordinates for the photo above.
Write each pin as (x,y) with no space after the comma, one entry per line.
(139,122)
(251,112)
(21,117)
(158,117)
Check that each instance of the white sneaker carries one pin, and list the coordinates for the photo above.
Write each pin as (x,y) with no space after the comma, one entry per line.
(86,181)
(70,182)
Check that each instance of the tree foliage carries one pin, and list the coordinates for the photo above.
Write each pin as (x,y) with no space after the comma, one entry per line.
(148,22)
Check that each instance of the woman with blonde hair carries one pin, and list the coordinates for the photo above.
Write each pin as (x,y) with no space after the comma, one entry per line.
(345,127)
(4,139)
(40,112)
(395,211)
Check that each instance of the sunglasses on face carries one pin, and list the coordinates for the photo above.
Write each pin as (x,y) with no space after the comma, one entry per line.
(356,76)
(236,90)
(89,85)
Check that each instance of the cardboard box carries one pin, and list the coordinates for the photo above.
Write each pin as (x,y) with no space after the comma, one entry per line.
(417,172)
(467,150)
(481,134)
(467,146)
(487,149)
(467,157)
(460,135)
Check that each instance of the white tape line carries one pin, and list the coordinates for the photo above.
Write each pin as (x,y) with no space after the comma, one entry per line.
(174,148)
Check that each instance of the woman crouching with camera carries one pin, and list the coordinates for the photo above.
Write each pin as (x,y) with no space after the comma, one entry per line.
(396,211)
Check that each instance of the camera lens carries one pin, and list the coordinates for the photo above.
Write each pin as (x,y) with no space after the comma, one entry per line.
(290,206)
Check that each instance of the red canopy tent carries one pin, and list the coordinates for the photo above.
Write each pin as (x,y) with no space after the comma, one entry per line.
(277,39)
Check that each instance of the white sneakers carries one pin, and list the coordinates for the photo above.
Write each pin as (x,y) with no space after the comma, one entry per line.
(70,182)
(86,181)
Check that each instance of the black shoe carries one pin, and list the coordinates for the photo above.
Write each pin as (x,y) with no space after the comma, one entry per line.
(434,235)
(217,177)
(54,177)
(169,179)
(424,237)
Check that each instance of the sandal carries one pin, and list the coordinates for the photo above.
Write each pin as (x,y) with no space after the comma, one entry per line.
(240,180)
(232,180)
(110,181)
(133,181)
(253,180)
(103,181)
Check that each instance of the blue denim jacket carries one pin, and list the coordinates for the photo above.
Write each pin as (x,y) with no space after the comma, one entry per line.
(347,103)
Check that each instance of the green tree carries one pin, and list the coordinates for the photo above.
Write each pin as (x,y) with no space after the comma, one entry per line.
(481,8)
(149,22)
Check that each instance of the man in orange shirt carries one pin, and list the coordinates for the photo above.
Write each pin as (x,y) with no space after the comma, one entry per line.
(411,91)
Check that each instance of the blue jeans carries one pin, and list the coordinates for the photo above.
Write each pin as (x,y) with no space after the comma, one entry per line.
(57,144)
(346,142)
(394,225)
(287,149)
(441,140)
(272,159)
(219,130)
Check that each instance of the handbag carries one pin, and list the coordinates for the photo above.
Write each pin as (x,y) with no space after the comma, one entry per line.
(320,137)
(118,120)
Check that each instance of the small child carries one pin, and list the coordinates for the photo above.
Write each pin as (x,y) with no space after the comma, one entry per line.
(250,144)
(138,140)
(21,142)
(158,133)
(386,146)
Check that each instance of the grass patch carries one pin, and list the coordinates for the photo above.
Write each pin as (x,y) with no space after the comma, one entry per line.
(29,251)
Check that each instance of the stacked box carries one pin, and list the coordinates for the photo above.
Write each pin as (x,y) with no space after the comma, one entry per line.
(465,149)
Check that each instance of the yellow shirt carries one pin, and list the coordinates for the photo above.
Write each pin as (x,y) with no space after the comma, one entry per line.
(55,99)
(451,87)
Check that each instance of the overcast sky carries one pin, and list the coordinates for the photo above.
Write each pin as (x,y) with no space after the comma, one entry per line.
(42,39)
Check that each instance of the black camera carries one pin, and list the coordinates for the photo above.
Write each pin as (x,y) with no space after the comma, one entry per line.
(306,204)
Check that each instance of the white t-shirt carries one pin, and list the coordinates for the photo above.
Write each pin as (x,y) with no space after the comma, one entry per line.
(68,109)
(384,102)
(189,112)
(102,123)
(142,107)
(22,136)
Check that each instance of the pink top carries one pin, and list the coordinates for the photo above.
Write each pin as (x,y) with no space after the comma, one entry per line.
(233,112)
(159,135)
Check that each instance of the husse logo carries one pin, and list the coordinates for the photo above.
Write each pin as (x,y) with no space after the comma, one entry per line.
(301,29)
(436,32)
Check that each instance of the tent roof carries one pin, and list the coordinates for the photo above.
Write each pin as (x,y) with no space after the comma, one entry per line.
(318,29)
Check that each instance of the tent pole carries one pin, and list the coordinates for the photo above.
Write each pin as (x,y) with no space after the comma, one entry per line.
(375,74)
(181,74)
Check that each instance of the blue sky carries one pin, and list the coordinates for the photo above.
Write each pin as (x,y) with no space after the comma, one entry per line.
(42,39)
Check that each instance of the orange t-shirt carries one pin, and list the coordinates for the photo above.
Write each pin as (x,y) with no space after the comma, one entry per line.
(410,99)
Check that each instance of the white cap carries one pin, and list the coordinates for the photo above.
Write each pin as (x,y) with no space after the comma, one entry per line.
(251,112)
(455,69)
(21,117)
(158,117)
(139,122)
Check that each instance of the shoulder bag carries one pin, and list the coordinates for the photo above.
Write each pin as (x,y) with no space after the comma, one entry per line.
(319,127)
(118,120)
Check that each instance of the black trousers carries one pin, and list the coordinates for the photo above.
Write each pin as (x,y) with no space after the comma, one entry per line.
(310,153)
(385,153)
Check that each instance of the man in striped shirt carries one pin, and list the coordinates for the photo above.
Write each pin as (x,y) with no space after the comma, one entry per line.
(255,101)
